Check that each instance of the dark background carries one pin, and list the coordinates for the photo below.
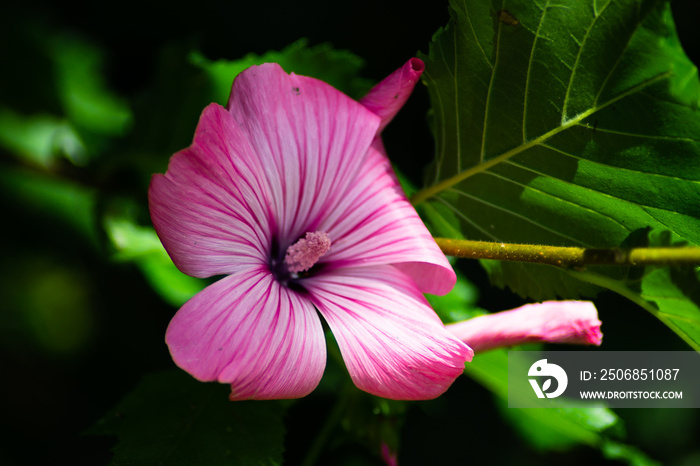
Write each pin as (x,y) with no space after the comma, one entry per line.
(47,399)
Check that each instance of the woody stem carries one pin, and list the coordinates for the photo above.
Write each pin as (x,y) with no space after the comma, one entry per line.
(568,256)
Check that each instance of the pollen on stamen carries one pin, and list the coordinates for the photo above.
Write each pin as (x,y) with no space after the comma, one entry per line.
(303,254)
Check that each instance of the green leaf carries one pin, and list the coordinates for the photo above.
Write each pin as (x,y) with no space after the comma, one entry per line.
(573,123)
(555,429)
(40,139)
(173,419)
(538,282)
(52,199)
(87,115)
(338,68)
(634,457)
(544,428)
(672,294)
(82,88)
(140,244)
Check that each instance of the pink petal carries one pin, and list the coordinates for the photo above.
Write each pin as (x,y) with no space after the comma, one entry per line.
(375,224)
(386,98)
(389,457)
(574,322)
(211,208)
(392,342)
(311,139)
(249,331)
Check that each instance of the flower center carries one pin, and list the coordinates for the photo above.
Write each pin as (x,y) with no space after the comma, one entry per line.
(303,254)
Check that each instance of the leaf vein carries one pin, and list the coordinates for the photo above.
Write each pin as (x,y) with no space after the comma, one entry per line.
(576,62)
(461,176)
(556,149)
(529,70)
(642,136)
(490,90)
(466,219)
(617,63)
(476,38)
(524,186)
(515,214)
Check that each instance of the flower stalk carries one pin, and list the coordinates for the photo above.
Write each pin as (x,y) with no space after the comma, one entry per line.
(568,257)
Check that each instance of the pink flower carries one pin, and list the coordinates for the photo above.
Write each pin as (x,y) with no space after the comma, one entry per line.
(288,192)
(574,322)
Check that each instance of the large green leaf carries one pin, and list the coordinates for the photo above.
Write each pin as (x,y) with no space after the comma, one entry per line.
(173,419)
(571,123)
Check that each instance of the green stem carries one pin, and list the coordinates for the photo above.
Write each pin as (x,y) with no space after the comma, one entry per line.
(567,257)
(329,426)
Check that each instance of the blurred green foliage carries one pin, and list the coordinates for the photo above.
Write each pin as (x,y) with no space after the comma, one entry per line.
(338,68)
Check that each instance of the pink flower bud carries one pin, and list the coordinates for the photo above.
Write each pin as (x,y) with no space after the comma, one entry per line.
(573,322)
